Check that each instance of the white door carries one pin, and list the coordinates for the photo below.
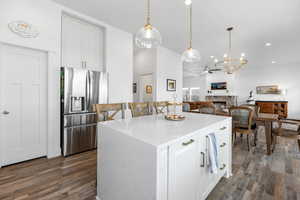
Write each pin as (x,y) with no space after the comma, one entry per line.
(23,104)
(184,170)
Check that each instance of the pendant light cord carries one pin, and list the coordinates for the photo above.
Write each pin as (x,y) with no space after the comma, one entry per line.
(229,44)
(148,13)
(190,28)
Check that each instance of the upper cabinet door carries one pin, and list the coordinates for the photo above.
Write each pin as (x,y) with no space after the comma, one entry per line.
(92,47)
(82,44)
(71,42)
(184,170)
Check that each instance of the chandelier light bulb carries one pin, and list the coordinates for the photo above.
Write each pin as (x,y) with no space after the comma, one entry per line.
(188,2)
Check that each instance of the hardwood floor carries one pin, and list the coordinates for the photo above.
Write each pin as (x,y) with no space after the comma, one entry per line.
(72,178)
(256,176)
(261,177)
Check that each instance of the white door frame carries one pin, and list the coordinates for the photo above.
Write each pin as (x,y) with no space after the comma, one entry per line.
(48,139)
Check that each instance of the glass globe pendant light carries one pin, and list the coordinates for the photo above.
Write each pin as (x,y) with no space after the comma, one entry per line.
(190,55)
(148,36)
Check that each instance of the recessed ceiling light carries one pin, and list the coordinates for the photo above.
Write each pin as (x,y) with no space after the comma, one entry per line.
(268,44)
(243,54)
(273,62)
(188,2)
(211,57)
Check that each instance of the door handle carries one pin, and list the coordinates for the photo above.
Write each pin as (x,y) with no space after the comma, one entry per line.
(223,145)
(223,167)
(223,128)
(203,159)
(188,143)
(5,112)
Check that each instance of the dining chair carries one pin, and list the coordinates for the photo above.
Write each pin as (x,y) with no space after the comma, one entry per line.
(254,125)
(242,121)
(207,109)
(161,107)
(283,130)
(186,107)
(140,109)
(106,112)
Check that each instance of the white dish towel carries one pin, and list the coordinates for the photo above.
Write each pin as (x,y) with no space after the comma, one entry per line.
(212,148)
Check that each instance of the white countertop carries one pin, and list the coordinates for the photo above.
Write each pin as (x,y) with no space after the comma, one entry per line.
(157,131)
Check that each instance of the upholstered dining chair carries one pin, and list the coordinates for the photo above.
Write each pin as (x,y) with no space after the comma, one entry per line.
(140,109)
(106,112)
(254,125)
(186,107)
(242,121)
(287,128)
(161,107)
(207,109)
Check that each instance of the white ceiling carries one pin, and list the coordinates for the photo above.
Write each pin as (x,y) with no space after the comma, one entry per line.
(256,22)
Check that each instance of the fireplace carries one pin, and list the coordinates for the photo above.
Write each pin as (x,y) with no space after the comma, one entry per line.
(222,102)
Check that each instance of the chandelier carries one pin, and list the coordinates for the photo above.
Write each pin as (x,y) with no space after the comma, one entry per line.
(230,64)
(148,36)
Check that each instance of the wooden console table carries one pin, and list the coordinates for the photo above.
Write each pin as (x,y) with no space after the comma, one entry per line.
(279,108)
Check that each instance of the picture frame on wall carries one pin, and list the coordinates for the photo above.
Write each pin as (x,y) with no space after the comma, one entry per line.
(149,89)
(134,88)
(269,89)
(171,85)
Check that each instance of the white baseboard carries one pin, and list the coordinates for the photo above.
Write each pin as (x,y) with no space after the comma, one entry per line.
(54,154)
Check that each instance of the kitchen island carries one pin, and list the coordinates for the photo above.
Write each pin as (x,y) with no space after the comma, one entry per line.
(150,158)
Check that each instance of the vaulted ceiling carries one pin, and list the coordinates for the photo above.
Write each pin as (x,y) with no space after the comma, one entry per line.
(256,22)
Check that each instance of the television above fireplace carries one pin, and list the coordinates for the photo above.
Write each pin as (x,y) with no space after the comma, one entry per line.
(219,86)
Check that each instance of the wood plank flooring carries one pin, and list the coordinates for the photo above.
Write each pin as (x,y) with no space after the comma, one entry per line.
(261,177)
(256,176)
(72,178)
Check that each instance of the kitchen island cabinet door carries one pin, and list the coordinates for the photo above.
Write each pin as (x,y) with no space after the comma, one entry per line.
(184,170)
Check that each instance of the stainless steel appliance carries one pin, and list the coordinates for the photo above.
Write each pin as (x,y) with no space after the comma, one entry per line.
(80,89)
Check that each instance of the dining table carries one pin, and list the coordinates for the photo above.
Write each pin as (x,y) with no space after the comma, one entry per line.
(267,120)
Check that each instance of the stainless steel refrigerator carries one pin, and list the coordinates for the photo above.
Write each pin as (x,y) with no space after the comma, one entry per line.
(80,89)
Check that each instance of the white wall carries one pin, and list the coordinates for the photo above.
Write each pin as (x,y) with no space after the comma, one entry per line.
(169,66)
(287,76)
(197,82)
(163,64)
(46,16)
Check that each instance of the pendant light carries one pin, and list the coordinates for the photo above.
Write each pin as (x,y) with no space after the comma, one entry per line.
(148,36)
(232,64)
(190,55)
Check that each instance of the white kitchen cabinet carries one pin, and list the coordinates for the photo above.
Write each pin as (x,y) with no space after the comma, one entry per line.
(82,44)
(183,169)
(151,158)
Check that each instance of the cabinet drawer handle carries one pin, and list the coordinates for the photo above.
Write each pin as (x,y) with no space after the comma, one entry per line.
(203,159)
(223,145)
(223,128)
(188,143)
(223,167)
